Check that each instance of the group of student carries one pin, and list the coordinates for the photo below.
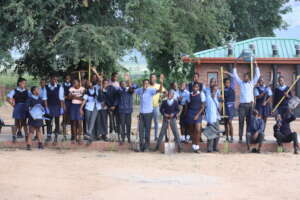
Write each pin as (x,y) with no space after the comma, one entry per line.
(100,106)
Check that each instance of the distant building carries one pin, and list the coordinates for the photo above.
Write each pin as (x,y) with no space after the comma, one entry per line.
(275,57)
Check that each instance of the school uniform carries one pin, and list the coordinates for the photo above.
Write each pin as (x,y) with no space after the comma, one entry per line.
(67,86)
(278,94)
(92,108)
(194,105)
(169,107)
(75,114)
(183,100)
(20,97)
(54,94)
(264,110)
(246,100)
(101,128)
(212,115)
(229,101)
(112,101)
(283,132)
(146,114)
(256,125)
(31,103)
(125,109)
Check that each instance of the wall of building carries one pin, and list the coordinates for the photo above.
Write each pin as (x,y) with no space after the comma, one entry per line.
(207,70)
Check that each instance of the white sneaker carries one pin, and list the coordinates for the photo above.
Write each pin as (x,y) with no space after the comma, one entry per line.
(187,138)
(182,138)
(198,147)
(194,147)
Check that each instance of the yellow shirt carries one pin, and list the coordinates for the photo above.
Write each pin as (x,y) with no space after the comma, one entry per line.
(156,97)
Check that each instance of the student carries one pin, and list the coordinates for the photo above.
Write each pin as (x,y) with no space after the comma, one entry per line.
(195,80)
(256,132)
(246,97)
(92,107)
(146,95)
(229,101)
(94,79)
(169,110)
(54,95)
(112,101)
(283,132)
(76,117)
(194,115)
(102,119)
(125,108)
(66,117)
(212,131)
(17,99)
(184,95)
(155,101)
(35,124)
(279,92)
(42,88)
(174,88)
(263,98)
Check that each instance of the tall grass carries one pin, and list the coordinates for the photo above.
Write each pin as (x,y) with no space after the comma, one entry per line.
(9,80)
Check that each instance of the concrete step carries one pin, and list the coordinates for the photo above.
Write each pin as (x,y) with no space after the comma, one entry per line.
(224,147)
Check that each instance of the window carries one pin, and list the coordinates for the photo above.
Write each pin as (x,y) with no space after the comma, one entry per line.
(211,75)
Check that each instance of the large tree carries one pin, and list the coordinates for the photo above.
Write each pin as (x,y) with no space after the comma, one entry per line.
(61,35)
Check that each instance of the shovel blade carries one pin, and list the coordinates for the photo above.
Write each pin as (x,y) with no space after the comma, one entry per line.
(169,148)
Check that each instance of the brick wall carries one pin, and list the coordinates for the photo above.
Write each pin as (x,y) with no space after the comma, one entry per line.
(266,71)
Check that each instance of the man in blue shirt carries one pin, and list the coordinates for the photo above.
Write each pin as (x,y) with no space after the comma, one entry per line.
(146,111)
(246,97)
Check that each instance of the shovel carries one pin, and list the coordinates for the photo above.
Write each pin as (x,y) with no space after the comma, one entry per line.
(169,146)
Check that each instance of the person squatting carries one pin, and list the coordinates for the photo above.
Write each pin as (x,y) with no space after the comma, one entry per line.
(100,107)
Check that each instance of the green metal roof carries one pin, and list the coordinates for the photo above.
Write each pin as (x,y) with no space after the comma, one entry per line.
(263,48)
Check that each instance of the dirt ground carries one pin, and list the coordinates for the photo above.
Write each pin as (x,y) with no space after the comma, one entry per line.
(89,175)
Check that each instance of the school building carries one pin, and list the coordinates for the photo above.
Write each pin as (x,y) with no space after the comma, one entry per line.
(275,57)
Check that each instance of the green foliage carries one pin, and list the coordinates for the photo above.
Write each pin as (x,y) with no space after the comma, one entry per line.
(66,35)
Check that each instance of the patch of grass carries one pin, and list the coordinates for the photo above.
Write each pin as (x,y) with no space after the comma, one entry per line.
(9,80)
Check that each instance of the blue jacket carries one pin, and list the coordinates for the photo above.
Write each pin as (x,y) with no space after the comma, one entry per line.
(125,100)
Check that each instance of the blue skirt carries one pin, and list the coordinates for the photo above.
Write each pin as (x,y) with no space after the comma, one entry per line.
(190,117)
(75,112)
(20,111)
(54,111)
(264,111)
(38,123)
(229,110)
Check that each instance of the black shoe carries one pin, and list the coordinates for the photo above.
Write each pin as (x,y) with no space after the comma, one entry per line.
(14,139)
(40,145)
(28,147)
(89,141)
(296,151)
(104,138)
(254,150)
(19,134)
(258,151)
(196,151)
(240,141)
(231,140)
(85,138)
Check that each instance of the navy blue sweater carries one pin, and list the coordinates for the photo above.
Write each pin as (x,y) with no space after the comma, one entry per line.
(256,125)
(284,125)
(125,100)
(165,108)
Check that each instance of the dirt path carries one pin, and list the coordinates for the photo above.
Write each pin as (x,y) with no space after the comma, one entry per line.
(95,175)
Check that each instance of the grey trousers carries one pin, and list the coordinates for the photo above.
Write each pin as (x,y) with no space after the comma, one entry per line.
(164,130)
(259,140)
(101,127)
(245,111)
(125,125)
(144,130)
(90,120)
(212,145)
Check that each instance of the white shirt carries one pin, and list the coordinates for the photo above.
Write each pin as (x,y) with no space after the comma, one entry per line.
(246,88)
(267,90)
(91,102)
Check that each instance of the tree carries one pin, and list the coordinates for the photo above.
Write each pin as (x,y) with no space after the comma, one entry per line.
(59,35)
(257,17)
